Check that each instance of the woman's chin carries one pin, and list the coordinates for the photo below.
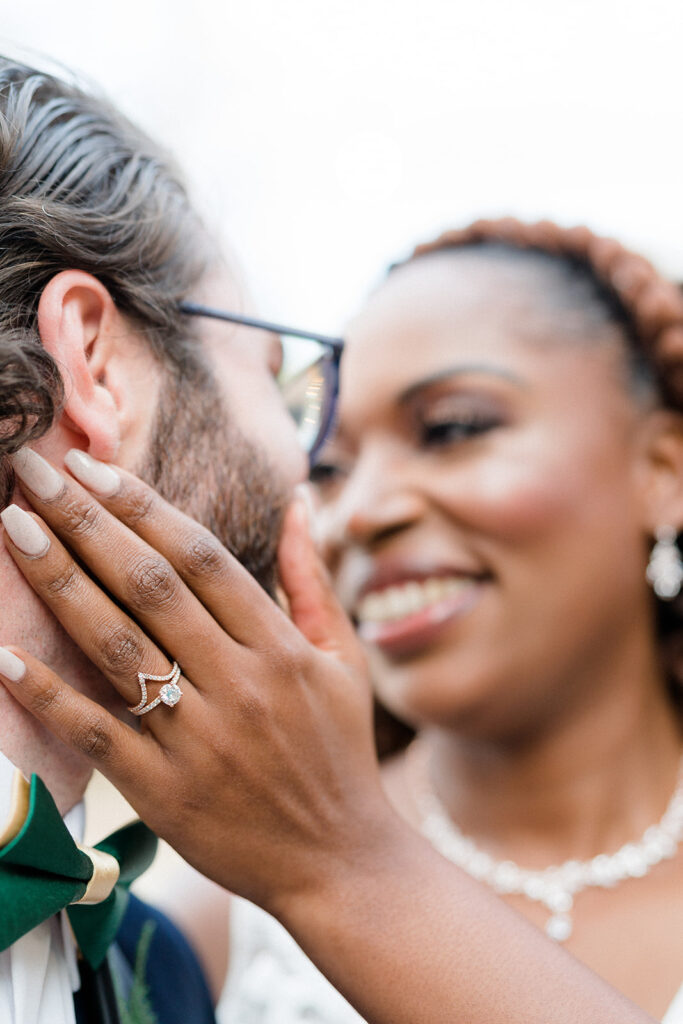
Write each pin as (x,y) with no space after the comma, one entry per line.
(442,690)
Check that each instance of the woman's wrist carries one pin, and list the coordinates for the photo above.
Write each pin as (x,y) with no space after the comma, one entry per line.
(337,874)
(406,936)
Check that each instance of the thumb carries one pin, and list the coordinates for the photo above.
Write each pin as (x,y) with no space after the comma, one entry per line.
(313,607)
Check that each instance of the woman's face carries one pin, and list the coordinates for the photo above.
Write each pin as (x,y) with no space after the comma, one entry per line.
(481,504)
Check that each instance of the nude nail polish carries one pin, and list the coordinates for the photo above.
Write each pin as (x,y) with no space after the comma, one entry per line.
(96,476)
(24,531)
(11,667)
(38,475)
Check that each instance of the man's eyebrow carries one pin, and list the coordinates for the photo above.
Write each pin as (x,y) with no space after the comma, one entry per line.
(459,370)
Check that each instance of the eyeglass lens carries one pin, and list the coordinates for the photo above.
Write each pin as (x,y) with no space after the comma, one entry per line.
(308,376)
(304,381)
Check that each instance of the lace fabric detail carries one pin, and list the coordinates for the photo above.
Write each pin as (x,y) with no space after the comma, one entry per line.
(271,980)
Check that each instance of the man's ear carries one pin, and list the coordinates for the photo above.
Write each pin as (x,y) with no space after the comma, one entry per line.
(77,323)
(663,483)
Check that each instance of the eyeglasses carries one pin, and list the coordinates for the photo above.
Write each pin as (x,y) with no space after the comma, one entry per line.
(308,378)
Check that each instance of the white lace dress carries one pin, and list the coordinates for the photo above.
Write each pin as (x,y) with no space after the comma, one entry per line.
(271,981)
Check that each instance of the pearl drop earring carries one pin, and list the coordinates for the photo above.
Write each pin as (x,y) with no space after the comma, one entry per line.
(665,568)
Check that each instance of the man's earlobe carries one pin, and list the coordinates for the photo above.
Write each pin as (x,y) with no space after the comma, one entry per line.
(77,321)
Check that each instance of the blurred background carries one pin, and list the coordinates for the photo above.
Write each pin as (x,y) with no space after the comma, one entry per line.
(323,137)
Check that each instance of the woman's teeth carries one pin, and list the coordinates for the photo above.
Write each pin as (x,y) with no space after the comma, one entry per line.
(394,603)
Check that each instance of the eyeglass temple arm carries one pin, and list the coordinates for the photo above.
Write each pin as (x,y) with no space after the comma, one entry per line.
(196,309)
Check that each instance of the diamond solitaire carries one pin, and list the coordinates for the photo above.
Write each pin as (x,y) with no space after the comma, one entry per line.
(170,694)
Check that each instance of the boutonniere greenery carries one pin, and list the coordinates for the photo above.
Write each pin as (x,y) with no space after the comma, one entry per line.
(137,1008)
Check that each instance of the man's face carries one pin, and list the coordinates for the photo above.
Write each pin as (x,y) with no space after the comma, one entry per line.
(224,450)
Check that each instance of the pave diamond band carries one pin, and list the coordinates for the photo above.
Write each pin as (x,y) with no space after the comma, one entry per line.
(169,694)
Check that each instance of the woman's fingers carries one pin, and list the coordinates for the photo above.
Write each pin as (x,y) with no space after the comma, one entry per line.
(139,767)
(109,637)
(313,605)
(152,557)
(117,751)
(137,575)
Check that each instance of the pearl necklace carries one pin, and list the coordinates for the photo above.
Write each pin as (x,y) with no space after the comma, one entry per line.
(556,886)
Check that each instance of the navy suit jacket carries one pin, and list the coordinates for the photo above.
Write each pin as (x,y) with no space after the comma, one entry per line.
(154,972)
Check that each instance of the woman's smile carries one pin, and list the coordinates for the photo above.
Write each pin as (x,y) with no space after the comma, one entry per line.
(481,464)
(407,615)
(404,619)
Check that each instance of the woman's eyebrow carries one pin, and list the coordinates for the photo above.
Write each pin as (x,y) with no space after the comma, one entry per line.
(459,370)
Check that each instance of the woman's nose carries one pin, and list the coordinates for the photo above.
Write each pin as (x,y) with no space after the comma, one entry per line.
(377,500)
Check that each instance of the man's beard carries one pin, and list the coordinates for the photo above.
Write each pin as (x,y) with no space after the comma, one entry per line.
(201,462)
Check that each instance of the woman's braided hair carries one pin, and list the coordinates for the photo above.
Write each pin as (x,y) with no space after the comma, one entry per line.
(649,309)
(646,303)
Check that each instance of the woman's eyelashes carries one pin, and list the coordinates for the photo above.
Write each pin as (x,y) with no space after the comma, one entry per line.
(445,426)
(325,473)
(439,422)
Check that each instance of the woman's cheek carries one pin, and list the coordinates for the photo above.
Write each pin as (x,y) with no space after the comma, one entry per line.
(515,498)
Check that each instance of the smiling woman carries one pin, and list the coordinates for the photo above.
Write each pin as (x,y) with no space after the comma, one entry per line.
(509,456)
(512,469)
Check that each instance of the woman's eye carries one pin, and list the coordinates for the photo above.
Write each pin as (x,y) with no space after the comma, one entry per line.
(453,429)
(323,474)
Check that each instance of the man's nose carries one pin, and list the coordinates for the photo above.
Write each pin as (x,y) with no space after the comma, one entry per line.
(378,499)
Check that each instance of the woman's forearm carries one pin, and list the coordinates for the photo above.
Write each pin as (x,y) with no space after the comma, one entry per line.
(410,939)
(268,766)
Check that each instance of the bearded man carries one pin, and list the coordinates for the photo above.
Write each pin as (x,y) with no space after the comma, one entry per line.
(102,262)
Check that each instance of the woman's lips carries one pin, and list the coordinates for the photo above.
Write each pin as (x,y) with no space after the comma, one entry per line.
(408,615)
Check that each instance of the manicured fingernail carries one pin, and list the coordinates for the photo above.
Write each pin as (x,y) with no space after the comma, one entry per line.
(11,667)
(24,531)
(38,475)
(305,495)
(94,475)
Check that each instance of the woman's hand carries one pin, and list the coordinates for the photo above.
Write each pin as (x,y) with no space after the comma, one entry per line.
(264,775)
(266,765)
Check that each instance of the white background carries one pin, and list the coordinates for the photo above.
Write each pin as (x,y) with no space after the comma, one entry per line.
(323,137)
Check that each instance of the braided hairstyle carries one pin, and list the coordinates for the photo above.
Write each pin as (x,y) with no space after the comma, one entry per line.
(634,296)
(645,304)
